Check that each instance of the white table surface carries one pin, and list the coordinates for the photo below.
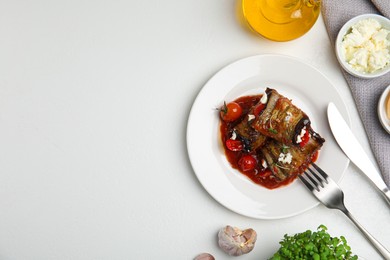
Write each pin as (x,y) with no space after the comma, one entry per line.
(94,102)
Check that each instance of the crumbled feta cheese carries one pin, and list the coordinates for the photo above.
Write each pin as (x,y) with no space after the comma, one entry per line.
(288,117)
(285,158)
(299,137)
(367,48)
(234,135)
(264,98)
(250,117)
(264,163)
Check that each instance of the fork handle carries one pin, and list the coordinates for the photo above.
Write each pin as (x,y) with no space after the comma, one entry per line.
(379,247)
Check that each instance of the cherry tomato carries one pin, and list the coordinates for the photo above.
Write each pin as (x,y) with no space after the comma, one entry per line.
(247,163)
(230,112)
(234,145)
(305,139)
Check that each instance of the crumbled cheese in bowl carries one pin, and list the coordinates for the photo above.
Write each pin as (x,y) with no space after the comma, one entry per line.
(366,47)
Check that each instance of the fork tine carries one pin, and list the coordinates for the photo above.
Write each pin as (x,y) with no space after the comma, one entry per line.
(318,180)
(312,180)
(320,171)
(307,183)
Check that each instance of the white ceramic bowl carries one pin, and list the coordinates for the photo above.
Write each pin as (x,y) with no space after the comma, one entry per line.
(340,53)
(385,121)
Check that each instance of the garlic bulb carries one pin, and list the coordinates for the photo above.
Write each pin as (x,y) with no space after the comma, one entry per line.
(204,256)
(235,241)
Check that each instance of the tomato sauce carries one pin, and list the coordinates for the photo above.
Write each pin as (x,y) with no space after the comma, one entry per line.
(261,174)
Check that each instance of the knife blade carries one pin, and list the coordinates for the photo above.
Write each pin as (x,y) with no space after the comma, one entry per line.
(354,151)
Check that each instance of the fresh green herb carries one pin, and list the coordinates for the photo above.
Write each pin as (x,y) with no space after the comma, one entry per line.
(272,130)
(224,108)
(314,245)
(284,148)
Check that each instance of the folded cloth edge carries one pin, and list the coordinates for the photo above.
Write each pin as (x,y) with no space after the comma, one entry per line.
(365,92)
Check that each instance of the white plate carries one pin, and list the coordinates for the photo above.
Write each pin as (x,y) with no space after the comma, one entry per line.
(309,90)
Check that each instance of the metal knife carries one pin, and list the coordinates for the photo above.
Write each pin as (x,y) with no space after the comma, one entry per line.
(355,152)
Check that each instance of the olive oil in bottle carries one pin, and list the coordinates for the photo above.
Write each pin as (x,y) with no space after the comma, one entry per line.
(281,20)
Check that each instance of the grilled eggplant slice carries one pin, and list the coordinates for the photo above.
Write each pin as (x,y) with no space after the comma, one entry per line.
(283,121)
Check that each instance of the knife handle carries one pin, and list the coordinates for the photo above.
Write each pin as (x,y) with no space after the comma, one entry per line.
(386,193)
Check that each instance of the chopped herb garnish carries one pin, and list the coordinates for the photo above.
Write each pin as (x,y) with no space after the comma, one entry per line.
(272,130)
(284,148)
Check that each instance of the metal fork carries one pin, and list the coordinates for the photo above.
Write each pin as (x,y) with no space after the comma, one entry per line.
(330,194)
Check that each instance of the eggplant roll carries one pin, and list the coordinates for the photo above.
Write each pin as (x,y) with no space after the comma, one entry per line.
(283,121)
(287,161)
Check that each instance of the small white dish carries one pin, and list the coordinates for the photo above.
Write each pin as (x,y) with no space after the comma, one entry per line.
(385,23)
(383,118)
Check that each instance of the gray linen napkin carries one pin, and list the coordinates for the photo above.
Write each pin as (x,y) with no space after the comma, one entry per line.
(366,92)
